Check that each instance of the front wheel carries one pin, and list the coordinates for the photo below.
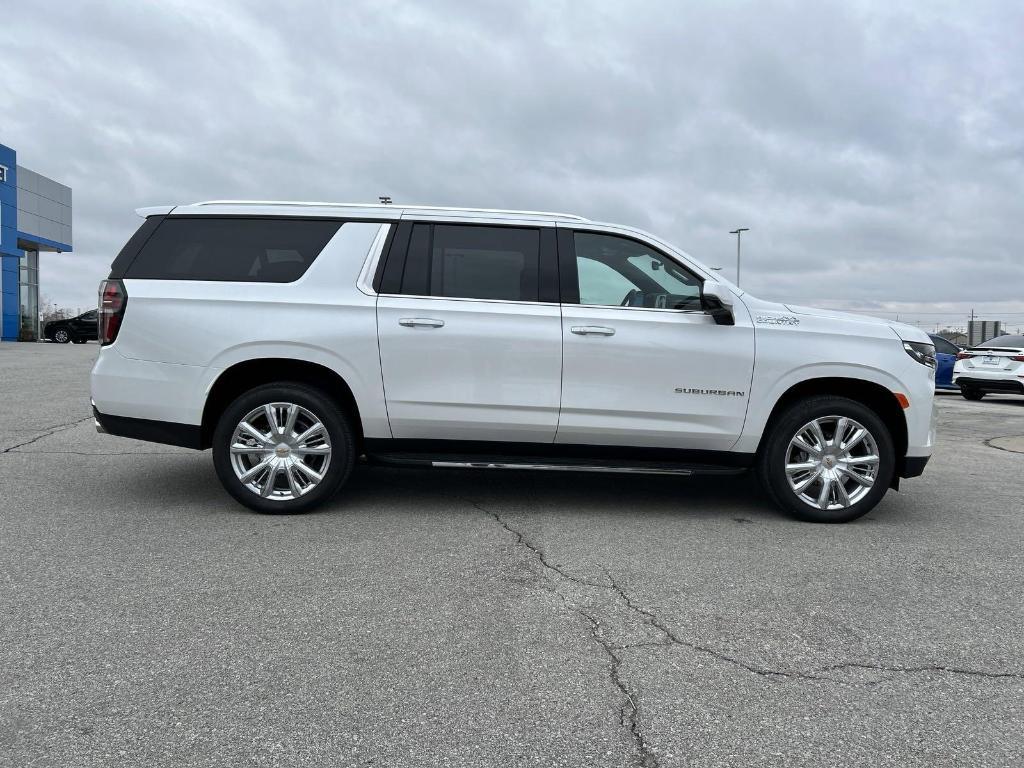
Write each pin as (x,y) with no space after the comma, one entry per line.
(827,459)
(283,448)
(61,336)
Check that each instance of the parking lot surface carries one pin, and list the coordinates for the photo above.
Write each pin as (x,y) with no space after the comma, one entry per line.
(461,618)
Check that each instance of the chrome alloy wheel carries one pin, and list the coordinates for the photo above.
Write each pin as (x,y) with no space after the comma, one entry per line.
(832,462)
(280,451)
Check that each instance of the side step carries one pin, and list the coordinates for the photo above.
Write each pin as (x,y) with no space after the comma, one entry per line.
(550,464)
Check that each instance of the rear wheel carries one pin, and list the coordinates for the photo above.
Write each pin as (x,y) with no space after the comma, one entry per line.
(61,336)
(283,448)
(971,394)
(827,459)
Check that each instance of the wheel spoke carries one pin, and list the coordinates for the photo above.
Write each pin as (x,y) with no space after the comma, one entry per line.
(302,439)
(272,418)
(805,446)
(819,435)
(801,486)
(858,460)
(292,480)
(825,497)
(315,450)
(271,478)
(250,430)
(865,482)
(262,450)
(803,466)
(859,434)
(841,427)
(289,424)
(308,471)
(251,474)
(844,497)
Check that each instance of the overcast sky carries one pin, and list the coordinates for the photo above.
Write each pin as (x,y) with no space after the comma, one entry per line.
(874,149)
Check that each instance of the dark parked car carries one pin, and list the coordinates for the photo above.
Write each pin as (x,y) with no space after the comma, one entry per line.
(945,355)
(77,329)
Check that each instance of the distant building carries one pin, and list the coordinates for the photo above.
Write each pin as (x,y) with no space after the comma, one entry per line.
(35,217)
(979,331)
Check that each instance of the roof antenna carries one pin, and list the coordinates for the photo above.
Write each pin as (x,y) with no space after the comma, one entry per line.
(385,199)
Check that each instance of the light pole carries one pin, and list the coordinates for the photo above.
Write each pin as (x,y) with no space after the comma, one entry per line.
(739,235)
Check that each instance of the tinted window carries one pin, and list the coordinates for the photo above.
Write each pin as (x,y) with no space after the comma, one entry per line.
(88,316)
(243,250)
(617,271)
(484,262)
(1005,341)
(944,347)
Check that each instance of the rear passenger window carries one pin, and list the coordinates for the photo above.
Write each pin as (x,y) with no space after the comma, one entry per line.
(472,262)
(233,249)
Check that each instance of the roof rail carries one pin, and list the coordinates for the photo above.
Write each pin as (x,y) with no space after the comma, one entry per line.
(571,216)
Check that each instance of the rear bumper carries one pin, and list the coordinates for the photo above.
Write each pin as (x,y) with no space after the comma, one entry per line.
(913,466)
(1005,384)
(166,432)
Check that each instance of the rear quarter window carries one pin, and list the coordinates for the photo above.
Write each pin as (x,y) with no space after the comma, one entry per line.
(232,249)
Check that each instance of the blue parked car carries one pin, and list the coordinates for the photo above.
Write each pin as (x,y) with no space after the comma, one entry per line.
(945,353)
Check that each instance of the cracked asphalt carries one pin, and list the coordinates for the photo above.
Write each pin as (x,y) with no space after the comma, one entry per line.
(459,618)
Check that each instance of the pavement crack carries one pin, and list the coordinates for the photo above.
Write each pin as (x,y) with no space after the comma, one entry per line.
(671,638)
(49,431)
(521,539)
(628,712)
(926,668)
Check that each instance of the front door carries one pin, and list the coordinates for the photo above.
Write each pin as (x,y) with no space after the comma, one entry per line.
(468,351)
(643,364)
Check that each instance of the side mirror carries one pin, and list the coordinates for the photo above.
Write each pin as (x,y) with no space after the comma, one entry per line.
(717,302)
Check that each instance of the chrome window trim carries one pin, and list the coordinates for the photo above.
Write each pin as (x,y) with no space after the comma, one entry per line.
(478,301)
(641,309)
(365,281)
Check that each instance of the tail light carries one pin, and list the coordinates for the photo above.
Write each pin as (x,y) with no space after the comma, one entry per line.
(1018,358)
(113,300)
(963,355)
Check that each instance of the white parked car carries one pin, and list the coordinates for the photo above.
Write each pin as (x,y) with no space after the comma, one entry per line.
(995,367)
(297,338)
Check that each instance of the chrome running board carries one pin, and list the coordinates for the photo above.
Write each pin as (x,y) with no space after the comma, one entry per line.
(560,467)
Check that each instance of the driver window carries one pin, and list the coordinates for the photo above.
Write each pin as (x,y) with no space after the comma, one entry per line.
(617,271)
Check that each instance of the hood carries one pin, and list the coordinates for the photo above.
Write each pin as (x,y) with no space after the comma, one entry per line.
(904,331)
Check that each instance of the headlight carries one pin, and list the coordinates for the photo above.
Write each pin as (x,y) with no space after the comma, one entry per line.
(923,353)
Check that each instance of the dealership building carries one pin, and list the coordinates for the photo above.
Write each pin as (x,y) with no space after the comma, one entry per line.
(35,217)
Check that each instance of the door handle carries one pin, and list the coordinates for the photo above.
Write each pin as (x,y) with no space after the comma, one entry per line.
(421,322)
(592,330)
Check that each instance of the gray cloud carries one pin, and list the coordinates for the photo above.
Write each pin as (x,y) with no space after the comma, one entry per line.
(874,149)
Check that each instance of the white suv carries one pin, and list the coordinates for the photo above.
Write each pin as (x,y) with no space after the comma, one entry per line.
(296,338)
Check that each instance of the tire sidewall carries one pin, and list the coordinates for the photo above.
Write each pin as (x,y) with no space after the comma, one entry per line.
(57,336)
(331,416)
(773,458)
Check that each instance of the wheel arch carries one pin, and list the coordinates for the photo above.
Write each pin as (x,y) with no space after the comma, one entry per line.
(871,394)
(247,374)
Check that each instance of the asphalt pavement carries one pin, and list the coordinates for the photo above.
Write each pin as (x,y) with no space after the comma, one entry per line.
(490,618)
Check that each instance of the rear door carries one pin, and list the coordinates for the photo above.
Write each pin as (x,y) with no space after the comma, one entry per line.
(643,364)
(470,333)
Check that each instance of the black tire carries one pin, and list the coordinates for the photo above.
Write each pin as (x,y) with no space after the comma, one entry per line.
(971,394)
(61,336)
(340,434)
(773,457)
(79,341)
